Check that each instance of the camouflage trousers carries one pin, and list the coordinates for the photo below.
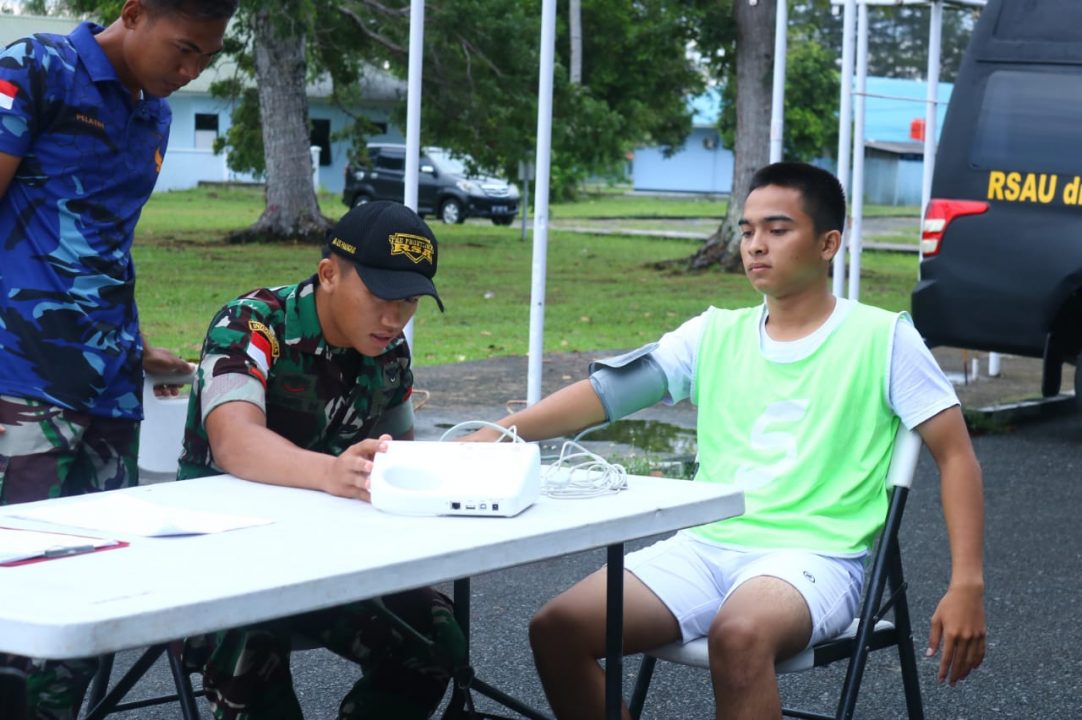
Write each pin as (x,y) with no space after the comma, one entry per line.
(405,673)
(47,452)
(54,689)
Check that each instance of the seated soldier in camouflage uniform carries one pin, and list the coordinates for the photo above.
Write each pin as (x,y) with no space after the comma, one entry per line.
(300,385)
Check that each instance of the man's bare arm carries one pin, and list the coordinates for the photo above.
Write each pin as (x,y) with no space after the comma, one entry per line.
(244,446)
(566,411)
(8,165)
(958,623)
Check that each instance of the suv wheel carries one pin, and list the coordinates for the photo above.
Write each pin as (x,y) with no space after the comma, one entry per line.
(503,219)
(451,212)
(361,199)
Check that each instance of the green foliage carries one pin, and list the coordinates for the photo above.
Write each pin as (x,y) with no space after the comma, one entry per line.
(481,74)
(899,41)
(898,47)
(480,78)
(812,87)
(897,36)
(244,138)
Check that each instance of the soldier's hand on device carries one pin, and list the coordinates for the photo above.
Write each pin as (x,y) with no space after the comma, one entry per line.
(349,476)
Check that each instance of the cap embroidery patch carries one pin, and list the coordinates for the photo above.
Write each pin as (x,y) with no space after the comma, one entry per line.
(343,245)
(415,247)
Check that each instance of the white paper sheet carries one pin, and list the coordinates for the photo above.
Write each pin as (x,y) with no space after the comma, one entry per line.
(120,514)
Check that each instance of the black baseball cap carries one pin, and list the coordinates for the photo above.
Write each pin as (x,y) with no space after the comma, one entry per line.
(392,248)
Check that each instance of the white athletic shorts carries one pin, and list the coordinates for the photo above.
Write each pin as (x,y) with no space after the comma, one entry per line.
(693,578)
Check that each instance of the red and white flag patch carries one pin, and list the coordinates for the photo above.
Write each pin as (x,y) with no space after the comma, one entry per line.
(8,92)
(262,349)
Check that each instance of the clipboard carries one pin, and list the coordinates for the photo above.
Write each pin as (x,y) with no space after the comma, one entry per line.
(21,546)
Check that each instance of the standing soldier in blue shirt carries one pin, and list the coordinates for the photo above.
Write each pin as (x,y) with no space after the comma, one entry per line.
(83,131)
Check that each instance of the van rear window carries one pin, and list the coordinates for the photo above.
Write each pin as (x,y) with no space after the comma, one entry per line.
(1030,121)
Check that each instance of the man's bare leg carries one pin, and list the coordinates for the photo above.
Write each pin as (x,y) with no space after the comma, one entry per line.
(568,637)
(762,621)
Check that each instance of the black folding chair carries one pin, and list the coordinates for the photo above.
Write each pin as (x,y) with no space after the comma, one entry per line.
(867,633)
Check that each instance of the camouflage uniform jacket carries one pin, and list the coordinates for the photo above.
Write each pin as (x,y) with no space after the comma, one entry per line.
(267,348)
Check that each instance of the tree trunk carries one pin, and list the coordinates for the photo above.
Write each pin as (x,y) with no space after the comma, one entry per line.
(292,211)
(754,69)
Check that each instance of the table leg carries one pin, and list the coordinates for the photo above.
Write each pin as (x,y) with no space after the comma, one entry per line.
(459,697)
(109,703)
(614,632)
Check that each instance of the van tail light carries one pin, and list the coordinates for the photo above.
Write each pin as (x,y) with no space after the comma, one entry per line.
(939,215)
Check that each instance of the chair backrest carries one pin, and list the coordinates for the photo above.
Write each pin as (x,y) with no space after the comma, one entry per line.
(903,458)
(162,431)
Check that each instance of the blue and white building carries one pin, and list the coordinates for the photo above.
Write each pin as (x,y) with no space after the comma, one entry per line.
(701,165)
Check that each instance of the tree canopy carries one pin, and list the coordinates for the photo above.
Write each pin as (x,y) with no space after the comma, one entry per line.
(481,73)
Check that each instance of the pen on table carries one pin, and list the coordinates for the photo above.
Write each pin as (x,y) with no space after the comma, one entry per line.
(71,550)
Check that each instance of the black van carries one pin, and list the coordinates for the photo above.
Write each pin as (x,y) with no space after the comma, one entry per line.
(1001,266)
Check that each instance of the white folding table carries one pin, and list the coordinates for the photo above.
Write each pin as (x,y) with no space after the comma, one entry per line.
(319,552)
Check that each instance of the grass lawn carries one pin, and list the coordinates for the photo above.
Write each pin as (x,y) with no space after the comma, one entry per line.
(602,292)
(610,204)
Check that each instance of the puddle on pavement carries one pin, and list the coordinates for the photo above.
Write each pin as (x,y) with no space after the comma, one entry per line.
(648,436)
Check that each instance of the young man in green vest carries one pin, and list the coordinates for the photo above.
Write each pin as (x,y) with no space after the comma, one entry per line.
(798,403)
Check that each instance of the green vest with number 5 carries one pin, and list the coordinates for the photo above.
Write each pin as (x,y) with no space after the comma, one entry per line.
(809,441)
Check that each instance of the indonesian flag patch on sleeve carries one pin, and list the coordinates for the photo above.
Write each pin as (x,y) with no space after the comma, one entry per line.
(8,92)
(262,350)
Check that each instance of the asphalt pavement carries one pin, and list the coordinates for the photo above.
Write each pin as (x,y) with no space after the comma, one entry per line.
(1033,668)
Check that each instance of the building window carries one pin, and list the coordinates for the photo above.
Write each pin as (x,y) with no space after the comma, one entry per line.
(321,136)
(206,130)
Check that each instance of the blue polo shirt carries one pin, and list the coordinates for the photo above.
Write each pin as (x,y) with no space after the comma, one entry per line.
(69,331)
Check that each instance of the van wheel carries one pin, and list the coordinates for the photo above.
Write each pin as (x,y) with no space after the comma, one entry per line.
(1078,382)
(451,212)
(361,200)
(1051,368)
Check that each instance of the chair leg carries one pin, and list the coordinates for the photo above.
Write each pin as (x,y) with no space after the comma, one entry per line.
(910,680)
(642,685)
(853,675)
(907,656)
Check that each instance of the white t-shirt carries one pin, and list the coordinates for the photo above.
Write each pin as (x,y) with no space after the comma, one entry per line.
(918,390)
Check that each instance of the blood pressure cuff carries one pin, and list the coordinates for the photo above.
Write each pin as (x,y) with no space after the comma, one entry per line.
(629,382)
